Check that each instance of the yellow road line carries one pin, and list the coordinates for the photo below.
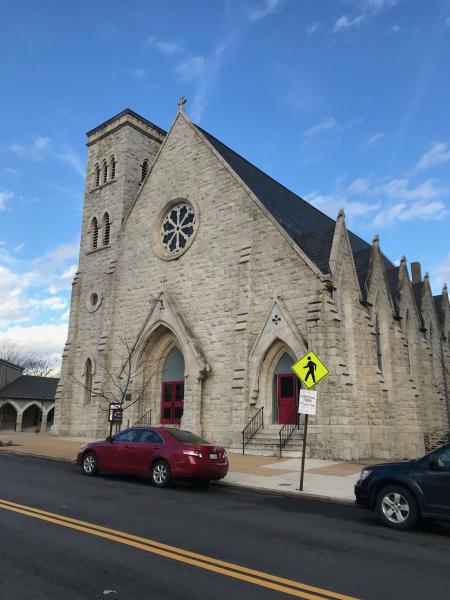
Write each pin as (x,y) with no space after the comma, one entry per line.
(260,578)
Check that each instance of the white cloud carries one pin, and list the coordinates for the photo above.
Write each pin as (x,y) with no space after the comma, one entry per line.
(263,9)
(164,46)
(331,203)
(313,28)
(35,150)
(138,72)
(374,139)
(402,189)
(373,6)
(43,341)
(358,186)
(19,247)
(11,171)
(71,157)
(395,29)
(447,22)
(325,124)
(443,271)
(192,68)
(438,154)
(344,23)
(32,289)
(412,212)
(4,197)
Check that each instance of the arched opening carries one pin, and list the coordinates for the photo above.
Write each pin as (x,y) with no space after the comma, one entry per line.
(8,417)
(161,381)
(94,233)
(105,171)
(113,167)
(144,170)
(284,392)
(378,344)
(106,229)
(97,176)
(31,418)
(172,388)
(50,418)
(87,382)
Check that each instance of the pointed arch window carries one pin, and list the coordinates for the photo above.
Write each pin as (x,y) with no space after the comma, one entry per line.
(106,229)
(408,341)
(88,381)
(97,176)
(144,170)
(112,163)
(105,171)
(378,343)
(94,233)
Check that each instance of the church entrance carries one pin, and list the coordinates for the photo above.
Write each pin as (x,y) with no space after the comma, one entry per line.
(287,401)
(285,392)
(172,392)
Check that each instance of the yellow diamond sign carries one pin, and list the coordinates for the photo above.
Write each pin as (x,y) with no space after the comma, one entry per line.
(310,369)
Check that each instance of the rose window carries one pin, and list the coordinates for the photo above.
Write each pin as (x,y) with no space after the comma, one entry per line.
(177,228)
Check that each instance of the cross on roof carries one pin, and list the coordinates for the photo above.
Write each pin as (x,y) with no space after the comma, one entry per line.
(181,102)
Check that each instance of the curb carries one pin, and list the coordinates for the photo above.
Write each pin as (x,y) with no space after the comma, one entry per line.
(232,486)
(32,455)
(286,493)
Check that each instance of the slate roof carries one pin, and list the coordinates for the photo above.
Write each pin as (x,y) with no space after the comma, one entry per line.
(417,291)
(310,228)
(392,279)
(438,305)
(31,387)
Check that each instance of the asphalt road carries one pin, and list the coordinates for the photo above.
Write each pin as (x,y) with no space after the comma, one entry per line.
(330,546)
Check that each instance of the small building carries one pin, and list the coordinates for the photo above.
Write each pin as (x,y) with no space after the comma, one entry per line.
(26,401)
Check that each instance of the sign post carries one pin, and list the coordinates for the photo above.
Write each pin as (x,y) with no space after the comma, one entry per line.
(115,415)
(306,406)
(310,370)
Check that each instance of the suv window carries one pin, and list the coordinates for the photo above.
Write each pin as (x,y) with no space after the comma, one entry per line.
(149,436)
(443,458)
(126,436)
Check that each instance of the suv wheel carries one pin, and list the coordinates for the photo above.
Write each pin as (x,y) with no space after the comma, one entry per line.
(396,507)
(89,464)
(160,473)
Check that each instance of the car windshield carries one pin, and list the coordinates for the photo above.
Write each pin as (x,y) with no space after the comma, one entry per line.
(187,437)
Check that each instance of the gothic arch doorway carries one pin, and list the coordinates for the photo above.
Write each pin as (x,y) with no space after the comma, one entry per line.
(8,416)
(172,388)
(284,392)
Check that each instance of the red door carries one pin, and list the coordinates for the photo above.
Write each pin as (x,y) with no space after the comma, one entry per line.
(172,402)
(287,401)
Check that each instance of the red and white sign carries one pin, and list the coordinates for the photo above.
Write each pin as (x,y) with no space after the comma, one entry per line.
(307,402)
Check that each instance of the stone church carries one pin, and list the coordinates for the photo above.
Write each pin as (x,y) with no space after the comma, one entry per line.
(215,278)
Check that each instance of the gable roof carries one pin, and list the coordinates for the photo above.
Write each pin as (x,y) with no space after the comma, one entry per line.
(311,229)
(31,387)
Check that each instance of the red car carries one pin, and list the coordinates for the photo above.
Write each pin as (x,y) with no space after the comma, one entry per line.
(162,453)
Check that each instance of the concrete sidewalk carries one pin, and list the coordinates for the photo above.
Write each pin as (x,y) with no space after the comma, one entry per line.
(324,478)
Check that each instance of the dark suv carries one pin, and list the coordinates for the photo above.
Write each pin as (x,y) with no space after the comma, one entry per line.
(402,492)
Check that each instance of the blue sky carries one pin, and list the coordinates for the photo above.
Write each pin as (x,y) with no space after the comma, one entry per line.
(344,101)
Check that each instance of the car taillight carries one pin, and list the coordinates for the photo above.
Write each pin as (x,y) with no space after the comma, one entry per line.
(193,453)
(223,454)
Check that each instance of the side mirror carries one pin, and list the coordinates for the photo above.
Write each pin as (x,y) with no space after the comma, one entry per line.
(433,461)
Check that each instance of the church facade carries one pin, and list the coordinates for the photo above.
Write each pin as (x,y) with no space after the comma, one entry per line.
(201,280)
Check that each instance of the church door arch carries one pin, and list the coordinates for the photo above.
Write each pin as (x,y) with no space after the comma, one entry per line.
(284,392)
(31,417)
(172,388)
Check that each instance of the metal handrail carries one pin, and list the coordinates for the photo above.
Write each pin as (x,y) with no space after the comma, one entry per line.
(146,419)
(252,427)
(288,429)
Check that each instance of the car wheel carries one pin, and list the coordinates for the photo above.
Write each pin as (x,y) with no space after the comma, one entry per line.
(160,473)
(89,464)
(396,507)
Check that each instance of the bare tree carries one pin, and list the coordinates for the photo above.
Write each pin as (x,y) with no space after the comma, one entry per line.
(30,362)
(125,383)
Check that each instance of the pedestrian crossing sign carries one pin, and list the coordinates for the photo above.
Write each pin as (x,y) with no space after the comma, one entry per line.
(310,369)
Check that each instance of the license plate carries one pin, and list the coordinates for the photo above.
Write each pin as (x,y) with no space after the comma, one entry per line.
(213,456)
